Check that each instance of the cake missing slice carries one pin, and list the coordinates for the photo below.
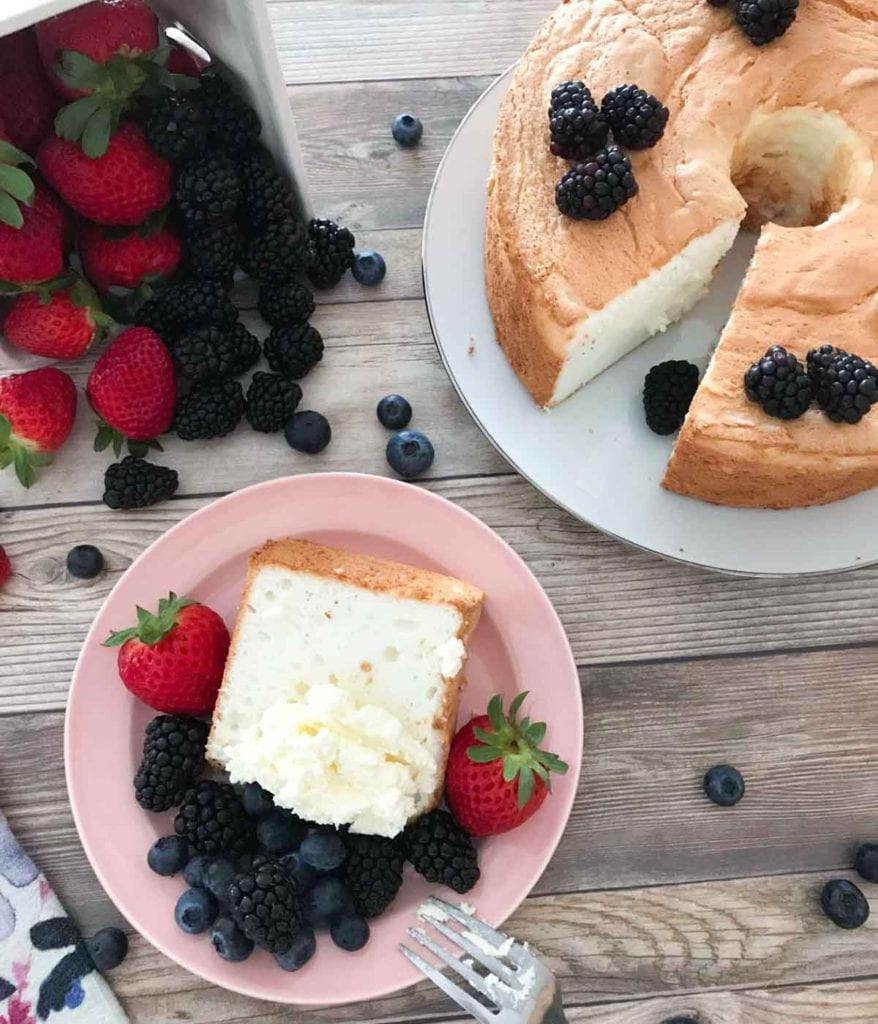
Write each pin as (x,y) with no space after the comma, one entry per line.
(341,689)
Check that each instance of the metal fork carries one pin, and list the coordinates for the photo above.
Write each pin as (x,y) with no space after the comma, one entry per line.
(512,987)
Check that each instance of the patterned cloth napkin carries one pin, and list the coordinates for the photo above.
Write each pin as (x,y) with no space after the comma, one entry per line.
(45,967)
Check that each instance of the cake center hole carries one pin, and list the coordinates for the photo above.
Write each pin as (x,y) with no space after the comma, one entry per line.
(796,167)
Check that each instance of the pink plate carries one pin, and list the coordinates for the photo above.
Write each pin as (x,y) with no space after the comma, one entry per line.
(520,644)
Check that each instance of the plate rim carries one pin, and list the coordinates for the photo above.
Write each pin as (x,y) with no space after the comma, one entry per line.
(574,776)
(500,81)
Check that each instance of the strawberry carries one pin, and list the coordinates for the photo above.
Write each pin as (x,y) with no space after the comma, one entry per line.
(497,775)
(27,100)
(31,223)
(101,31)
(123,186)
(36,416)
(5,568)
(128,261)
(174,660)
(183,61)
(57,324)
(131,387)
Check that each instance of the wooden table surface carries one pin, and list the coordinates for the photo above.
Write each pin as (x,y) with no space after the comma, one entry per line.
(657,903)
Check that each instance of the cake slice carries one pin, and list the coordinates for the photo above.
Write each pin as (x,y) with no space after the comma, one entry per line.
(341,688)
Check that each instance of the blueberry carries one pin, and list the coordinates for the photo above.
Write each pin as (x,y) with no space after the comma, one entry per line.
(350,933)
(328,901)
(324,851)
(844,903)
(229,941)
(410,453)
(303,948)
(369,268)
(407,129)
(280,832)
(220,875)
(84,562)
(394,412)
(257,801)
(724,785)
(867,862)
(195,872)
(301,873)
(168,855)
(308,432)
(108,948)
(196,911)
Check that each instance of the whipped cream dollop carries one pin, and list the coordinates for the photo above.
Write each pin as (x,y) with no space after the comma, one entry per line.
(336,760)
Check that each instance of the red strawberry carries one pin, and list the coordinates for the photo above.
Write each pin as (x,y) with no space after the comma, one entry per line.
(131,388)
(59,324)
(183,61)
(31,226)
(497,775)
(174,661)
(130,261)
(5,568)
(36,416)
(123,186)
(100,30)
(28,102)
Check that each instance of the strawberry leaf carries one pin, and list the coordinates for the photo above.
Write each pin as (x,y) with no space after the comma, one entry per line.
(151,628)
(23,469)
(104,437)
(10,211)
(5,430)
(525,786)
(536,733)
(483,755)
(15,182)
(71,121)
(515,706)
(77,70)
(495,713)
(97,131)
(483,736)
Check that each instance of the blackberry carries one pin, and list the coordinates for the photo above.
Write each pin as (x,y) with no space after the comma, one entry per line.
(576,126)
(596,189)
(265,905)
(637,118)
(293,351)
(173,758)
(232,125)
(765,20)
(372,873)
(209,353)
(183,305)
(330,252)
(211,409)
(271,401)
(213,820)
(285,303)
(213,250)
(266,195)
(778,382)
(440,850)
(845,385)
(276,252)
(208,190)
(667,394)
(175,128)
(136,483)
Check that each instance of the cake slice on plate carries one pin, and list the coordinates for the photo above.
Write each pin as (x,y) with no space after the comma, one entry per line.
(341,689)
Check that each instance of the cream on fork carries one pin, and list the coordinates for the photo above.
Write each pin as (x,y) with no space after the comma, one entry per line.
(505,982)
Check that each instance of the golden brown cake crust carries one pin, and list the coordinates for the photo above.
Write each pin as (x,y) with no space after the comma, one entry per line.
(807,286)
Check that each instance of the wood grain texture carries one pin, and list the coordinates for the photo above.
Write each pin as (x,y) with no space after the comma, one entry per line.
(640,817)
(350,40)
(617,604)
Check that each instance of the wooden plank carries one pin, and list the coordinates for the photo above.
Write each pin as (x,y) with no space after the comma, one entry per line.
(334,42)
(608,948)
(850,1003)
(371,349)
(617,604)
(356,171)
(802,732)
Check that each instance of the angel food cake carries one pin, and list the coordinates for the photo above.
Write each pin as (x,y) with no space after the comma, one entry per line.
(341,689)
(778,137)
